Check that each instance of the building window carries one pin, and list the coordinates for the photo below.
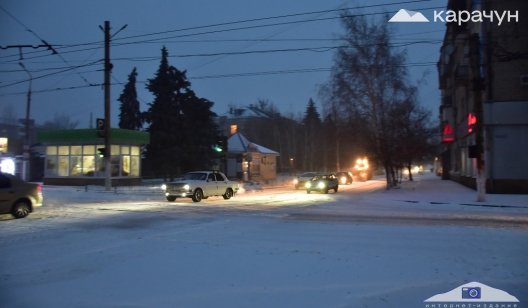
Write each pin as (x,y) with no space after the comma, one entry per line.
(134,166)
(51,165)
(125,166)
(84,161)
(89,150)
(64,150)
(114,150)
(134,151)
(114,166)
(76,168)
(233,129)
(51,150)
(64,166)
(88,165)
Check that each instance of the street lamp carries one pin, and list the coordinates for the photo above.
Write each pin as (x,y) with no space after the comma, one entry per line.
(26,124)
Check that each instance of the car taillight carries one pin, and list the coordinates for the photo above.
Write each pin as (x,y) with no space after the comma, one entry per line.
(39,188)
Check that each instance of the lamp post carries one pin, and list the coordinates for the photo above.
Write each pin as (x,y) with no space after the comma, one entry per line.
(26,125)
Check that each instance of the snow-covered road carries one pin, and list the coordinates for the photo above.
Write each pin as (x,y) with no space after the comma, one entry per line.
(286,249)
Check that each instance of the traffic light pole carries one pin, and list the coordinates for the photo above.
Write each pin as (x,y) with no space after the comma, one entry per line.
(479,126)
(26,172)
(107,137)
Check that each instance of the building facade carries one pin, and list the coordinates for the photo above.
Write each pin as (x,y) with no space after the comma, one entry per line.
(73,157)
(249,161)
(483,74)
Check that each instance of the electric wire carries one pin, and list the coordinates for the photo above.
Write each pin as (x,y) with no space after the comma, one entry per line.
(122,42)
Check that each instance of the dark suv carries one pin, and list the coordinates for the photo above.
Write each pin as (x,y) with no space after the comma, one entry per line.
(17,196)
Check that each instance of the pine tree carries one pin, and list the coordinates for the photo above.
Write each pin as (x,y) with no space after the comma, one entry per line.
(182,128)
(312,128)
(130,115)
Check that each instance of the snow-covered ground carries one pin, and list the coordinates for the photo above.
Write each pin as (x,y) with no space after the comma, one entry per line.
(287,249)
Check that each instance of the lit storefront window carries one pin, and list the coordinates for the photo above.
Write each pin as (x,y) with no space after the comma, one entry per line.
(134,151)
(84,161)
(134,166)
(63,166)
(51,161)
(76,161)
(51,150)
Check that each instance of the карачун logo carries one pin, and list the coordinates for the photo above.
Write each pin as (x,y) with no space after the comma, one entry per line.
(459,16)
(473,292)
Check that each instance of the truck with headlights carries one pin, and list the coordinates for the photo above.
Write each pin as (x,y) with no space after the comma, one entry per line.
(362,169)
(199,185)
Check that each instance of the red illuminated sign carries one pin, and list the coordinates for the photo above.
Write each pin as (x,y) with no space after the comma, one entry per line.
(448,133)
(472,121)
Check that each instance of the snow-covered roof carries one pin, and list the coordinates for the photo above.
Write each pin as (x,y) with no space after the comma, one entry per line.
(238,143)
(250,111)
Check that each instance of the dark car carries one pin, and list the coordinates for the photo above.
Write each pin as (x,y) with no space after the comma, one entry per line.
(18,197)
(322,183)
(344,177)
(302,178)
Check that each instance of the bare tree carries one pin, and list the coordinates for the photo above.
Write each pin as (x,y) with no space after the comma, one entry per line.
(368,83)
(60,121)
(9,115)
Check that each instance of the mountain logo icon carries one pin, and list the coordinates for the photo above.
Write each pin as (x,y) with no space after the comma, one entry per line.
(408,16)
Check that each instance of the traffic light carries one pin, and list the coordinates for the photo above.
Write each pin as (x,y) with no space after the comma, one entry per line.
(471,122)
(101,152)
(221,145)
(100,126)
(217,148)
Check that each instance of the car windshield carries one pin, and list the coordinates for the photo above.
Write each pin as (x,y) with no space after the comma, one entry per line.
(321,177)
(195,176)
(307,175)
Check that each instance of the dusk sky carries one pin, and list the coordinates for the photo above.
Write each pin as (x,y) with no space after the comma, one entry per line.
(280,59)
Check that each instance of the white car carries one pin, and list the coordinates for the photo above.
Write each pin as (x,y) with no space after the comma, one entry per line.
(200,185)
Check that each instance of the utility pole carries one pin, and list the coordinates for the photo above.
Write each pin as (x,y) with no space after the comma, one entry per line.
(27,140)
(107,74)
(107,137)
(479,126)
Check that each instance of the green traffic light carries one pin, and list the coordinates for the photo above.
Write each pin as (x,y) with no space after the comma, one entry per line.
(101,152)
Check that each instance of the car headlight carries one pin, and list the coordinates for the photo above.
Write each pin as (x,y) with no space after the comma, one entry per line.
(163,186)
(295,181)
(186,187)
(343,179)
(321,185)
(308,185)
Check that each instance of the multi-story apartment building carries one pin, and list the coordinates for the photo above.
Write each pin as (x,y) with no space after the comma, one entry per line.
(483,73)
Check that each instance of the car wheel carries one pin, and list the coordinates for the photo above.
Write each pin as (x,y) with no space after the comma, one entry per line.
(326,190)
(21,209)
(228,194)
(171,198)
(335,189)
(197,196)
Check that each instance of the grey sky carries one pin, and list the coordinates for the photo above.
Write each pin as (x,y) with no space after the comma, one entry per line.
(286,78)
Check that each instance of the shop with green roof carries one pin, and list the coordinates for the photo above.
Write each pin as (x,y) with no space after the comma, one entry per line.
(73,157)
